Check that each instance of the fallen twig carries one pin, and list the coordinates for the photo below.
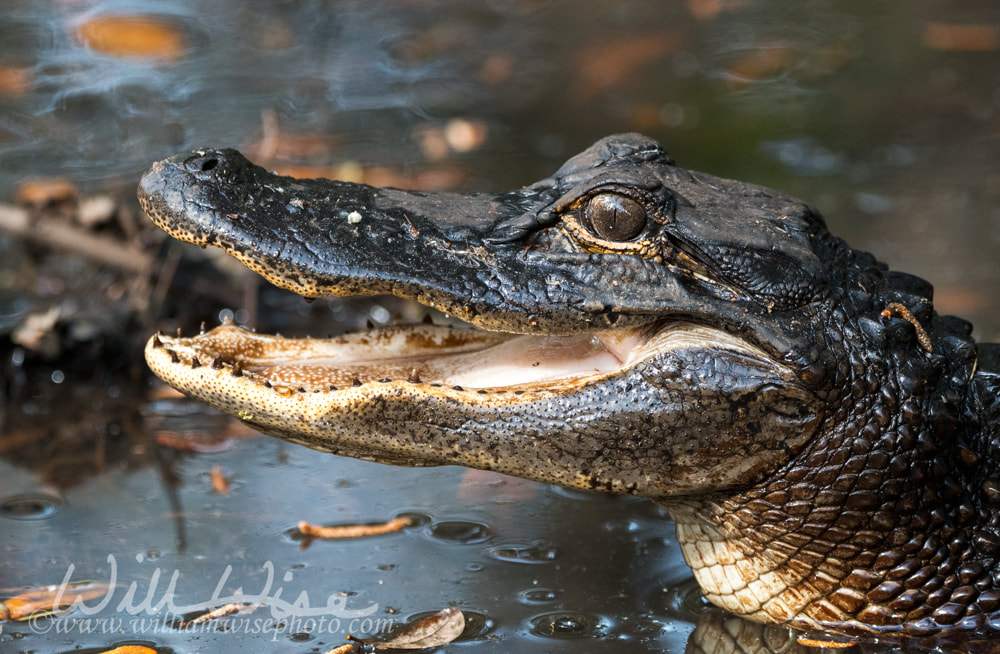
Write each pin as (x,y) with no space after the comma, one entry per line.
(354,531)
(64,236)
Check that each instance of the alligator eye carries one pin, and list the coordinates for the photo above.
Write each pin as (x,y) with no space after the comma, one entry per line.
(614,217)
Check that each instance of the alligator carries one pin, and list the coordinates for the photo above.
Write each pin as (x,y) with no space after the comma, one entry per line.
(824,440)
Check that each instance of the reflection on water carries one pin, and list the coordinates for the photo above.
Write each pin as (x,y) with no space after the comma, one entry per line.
(884,117)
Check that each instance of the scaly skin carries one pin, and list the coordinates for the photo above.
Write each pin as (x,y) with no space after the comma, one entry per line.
(826,443)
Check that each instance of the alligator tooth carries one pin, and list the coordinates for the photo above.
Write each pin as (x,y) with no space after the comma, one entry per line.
(195,363)
(356,382)
(414,377)
(217,362)
(174,357)
(237,372)
(201,328)
(157,342)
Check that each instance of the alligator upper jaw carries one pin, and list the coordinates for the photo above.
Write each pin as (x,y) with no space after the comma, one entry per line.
(503,262)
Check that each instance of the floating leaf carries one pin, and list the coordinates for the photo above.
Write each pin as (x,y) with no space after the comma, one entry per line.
(41,192)
(140,37)
(962,37)
(130,649)
(219,482)
(433,631)
(47,600)
(14,81)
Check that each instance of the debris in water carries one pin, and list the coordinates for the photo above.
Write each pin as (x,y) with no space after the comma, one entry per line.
(133,37)
(215,614)
(44,601)
(433,631)
(354,531)
(219,482)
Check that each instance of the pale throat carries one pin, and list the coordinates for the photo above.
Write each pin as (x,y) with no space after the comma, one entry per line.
(761,584)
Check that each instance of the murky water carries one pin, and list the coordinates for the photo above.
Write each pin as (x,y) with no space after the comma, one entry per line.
(884,117)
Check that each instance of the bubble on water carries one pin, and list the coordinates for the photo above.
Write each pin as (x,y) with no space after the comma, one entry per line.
(539,552)
(539,596)
(568,625)
(29,506)
(460,531)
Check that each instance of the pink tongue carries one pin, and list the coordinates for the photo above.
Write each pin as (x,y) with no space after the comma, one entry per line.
(621,344)
(528,359)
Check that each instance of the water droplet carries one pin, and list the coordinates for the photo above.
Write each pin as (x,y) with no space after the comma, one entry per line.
(460,531)
(539,596)
(477,625)
(567,625)
(681,600)
(648,625)
(539,552)
(416,519)
(622,526)
(29,506)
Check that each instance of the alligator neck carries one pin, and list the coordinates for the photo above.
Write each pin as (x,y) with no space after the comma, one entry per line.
(888,522)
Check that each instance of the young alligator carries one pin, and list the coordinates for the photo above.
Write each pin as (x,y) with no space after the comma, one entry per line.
(826,443)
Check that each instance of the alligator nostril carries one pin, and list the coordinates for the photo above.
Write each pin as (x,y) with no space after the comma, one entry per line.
(209,164)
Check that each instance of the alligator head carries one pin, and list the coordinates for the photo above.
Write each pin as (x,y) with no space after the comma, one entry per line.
(816,431)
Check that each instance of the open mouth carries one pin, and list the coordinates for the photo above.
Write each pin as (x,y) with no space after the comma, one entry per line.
(427,357)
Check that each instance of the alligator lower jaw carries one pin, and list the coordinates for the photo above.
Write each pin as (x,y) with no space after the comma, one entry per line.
(221,366)
(518,404)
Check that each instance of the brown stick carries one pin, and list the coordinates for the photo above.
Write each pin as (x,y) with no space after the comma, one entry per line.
(354,531)
(62,236)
